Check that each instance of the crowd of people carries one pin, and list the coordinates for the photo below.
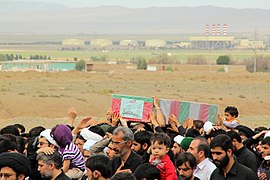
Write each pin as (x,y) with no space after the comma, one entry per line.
(119,149)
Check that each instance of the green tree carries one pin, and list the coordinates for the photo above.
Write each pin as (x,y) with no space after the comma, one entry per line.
(80,65)
(223,60)
(141,63)
(3,57)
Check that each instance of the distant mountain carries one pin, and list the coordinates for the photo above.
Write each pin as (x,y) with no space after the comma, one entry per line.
(27,6)
(121,20)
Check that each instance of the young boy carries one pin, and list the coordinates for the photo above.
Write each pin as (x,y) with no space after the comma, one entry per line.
(160,144)
(231,114)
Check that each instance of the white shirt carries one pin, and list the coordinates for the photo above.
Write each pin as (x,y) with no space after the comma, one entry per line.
(204,169)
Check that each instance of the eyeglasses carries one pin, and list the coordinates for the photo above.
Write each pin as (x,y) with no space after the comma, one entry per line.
(117,143)
(6,175)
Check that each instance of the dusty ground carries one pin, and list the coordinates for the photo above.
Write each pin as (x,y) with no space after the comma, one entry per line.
(34,98)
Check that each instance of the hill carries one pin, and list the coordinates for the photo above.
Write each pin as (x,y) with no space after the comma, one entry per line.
(54,18)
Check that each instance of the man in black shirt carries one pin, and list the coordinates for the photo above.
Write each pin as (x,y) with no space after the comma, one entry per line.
(127,160)
(243,154)
(227,166)
(49,166)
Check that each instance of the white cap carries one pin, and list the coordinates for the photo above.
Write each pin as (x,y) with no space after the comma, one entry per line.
(88,144)
(207,126)
(47,135)
(178,139)
(87,134)
(267,134)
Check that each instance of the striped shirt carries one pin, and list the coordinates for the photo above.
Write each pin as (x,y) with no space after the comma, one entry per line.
(72,153)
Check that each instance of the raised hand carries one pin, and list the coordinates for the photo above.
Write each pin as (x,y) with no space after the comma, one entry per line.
(72,114)
(115,119)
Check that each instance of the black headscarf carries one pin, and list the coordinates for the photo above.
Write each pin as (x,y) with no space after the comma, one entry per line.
(18,162)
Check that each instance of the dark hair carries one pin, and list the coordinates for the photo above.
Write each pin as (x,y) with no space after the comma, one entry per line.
(244,130)
(97,129)
(100,163)
(35,131)
(223,141)
(266,140)
(54,158)
(123,176)
(20,144)
(232,111)
(203,146)
(260,129)
(10,129)
(78,136)
(6,144)
(215,133)
(186,157)
(161,138)
(111,129)
(234,135)
(148,171)
(192,133)
(142,137)
(198,124)
(21,127)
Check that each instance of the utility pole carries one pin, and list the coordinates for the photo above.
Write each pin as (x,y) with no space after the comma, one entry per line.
(255,60)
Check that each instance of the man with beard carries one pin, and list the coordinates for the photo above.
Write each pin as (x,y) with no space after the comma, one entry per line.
(126,160)
(186,164)
(49,166)
(141,142)
(227,167)
(243,154)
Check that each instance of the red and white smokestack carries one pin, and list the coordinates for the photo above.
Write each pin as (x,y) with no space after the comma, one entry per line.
(225,29)
(213,29)
(218,29)
(207,29)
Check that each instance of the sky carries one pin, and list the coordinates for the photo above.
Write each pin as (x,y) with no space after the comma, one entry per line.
(241,4)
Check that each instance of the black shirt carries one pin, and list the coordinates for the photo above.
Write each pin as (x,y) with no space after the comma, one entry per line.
(247,158)
(133,161)
(237,172)
(62,176)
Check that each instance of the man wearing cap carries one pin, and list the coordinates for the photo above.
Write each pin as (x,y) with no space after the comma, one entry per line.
(45,140)
(14,166)
(176,149)
(185,143)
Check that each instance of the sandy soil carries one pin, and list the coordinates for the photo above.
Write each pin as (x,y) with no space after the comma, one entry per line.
(34,98)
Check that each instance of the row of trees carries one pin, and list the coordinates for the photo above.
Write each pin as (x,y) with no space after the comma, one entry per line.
(12,57)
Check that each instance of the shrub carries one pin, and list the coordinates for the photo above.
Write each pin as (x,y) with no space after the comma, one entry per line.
(3,57)
(223,60)
(141,63)
(162,58)
(196,59)
(80,65)
(99,58)
(168,68)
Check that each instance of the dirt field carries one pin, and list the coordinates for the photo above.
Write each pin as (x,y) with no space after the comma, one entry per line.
(34,98)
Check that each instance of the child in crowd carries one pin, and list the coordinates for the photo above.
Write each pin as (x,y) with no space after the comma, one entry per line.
(73,160)
(160,144)
(231,114)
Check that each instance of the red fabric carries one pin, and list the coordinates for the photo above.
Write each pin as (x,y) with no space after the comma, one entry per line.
(166,168)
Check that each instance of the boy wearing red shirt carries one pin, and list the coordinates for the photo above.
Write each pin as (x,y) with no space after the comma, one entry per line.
(160,144)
